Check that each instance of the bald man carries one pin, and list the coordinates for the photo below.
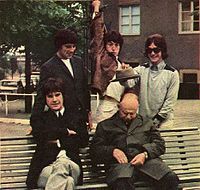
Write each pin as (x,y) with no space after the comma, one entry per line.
(130,146)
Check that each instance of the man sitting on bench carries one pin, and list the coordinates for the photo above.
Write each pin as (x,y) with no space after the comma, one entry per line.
(130,146)
(56,163)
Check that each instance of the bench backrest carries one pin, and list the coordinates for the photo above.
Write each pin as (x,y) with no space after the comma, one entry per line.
(182,155)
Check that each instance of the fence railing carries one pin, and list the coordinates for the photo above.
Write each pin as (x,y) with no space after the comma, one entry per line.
(6,100)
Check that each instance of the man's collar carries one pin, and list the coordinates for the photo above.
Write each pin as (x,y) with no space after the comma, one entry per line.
(66,61)
(160,65)
(61,111)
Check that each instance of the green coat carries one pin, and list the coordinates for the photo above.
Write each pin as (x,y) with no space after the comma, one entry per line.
(139,137)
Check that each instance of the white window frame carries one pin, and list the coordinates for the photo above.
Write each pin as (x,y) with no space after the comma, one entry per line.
(130,20)
(180,20)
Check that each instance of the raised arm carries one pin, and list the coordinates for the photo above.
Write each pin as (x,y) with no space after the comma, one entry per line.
(97,30)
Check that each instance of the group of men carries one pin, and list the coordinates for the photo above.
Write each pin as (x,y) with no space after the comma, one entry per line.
(127,140)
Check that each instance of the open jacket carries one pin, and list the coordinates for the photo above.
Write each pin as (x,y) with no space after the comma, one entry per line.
(139,137)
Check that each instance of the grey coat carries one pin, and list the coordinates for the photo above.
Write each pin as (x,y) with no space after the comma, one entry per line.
(139,137)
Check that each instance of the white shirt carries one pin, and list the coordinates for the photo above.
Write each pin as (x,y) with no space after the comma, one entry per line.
(61,111)
(68,65)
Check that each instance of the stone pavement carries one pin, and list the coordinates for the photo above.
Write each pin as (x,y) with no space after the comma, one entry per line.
(187,114)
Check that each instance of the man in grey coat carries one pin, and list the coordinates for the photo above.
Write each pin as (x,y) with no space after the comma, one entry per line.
(130,146)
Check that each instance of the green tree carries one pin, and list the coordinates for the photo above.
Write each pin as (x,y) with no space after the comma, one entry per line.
(32,24)
(2,73)
(8,62)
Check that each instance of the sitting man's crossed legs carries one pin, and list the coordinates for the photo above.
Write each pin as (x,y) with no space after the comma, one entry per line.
(63,174)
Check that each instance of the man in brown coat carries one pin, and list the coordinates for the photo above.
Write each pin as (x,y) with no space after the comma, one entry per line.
(104,48)
(130,146)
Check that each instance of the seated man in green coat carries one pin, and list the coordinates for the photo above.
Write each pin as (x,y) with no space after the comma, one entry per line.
(130,146)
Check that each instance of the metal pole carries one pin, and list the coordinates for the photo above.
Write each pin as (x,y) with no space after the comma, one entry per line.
(33,99)
(97,99)
(6,103)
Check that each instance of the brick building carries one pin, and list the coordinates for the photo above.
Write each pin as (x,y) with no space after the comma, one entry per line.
(177,20)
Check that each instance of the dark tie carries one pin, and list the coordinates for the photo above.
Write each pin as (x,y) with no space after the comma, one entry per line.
(59,115)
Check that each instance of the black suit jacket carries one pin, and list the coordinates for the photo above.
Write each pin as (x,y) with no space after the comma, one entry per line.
(77,97)
(48,127)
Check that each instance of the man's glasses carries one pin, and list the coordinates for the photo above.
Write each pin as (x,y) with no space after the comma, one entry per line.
(155,50)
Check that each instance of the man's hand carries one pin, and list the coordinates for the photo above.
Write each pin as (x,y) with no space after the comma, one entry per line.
(138,159)
(71,132)
(125,66)
(156,122)
(29,131)
(120,156)
(90,123)
(96,4)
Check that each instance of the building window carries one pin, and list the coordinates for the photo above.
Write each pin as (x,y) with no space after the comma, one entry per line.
(129,20)
(189,17)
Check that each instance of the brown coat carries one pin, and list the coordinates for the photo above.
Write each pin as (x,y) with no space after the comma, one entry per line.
(103,63)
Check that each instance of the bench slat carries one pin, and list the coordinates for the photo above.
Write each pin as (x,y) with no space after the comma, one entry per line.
(17,147)
(177,144)
(15,154)
(179,133)
(178,167)
(175,161)
(183,155)
(170,150)
(183,138)
(15,166)
(24,159)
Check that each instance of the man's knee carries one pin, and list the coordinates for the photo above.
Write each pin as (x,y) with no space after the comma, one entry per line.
(75,169)
(123,184)
(170,181)
(61,168)
(70,183)
(44,175)
(68,168)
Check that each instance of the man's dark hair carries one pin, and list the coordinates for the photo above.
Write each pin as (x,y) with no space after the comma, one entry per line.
(65,36)
(53,85)
(159,41)
(113,36)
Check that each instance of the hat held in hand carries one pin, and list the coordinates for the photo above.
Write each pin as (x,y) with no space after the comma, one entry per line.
(125,74)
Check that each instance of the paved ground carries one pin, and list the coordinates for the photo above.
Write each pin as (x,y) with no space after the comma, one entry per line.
(187,114)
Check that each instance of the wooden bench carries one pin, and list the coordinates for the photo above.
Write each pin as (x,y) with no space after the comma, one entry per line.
(182,155)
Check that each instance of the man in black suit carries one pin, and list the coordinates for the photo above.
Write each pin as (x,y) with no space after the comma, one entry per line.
(70,68)
(56,163)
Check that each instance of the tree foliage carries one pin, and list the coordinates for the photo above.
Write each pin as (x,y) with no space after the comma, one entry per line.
(33,23)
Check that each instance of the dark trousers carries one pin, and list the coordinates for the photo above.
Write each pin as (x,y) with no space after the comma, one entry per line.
(169,182)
